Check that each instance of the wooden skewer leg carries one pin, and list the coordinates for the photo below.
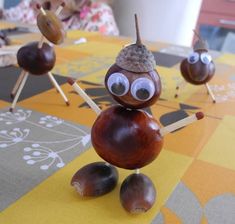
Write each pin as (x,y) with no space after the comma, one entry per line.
(51,77)
(19,91)
(181,123)
(52,83)
(17,84)
(210,92)
(86,98)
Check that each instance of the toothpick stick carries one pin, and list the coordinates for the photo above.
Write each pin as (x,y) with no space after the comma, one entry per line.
(60,8)
(19,91)
(210,92)
(40,43)
(86,98)
(51,77)
(181,123)
(39,7)
(17,84)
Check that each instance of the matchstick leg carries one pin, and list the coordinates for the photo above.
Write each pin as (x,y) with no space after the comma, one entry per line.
(51,77)
(17,84)
(210,92)
(19,91)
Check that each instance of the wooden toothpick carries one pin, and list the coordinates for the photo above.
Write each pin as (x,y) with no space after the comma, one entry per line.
(210,92)
(181,123)
(82,93)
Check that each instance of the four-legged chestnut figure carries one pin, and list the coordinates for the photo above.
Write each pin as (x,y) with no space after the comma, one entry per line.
(198,68)
(124,135)
(38,58)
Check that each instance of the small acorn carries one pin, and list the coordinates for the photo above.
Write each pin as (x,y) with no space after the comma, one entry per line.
(37,61)
(51,27)
(95,179)
(137,193)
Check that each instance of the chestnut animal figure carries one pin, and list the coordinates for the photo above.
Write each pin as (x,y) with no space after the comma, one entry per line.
(38,58)
(124,135)
(198,68)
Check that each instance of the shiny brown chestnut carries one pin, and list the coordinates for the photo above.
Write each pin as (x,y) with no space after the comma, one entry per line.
(95,179)
(137,193)
(51,27)
(126,138)
(144,95)
(198,68)
(37,61)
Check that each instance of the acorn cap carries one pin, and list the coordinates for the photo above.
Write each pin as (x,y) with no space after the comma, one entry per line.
(200,44)
(136,57)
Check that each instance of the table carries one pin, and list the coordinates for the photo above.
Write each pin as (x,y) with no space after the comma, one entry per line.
(45,142)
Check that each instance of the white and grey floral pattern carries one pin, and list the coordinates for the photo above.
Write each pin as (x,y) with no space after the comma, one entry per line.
(35,145)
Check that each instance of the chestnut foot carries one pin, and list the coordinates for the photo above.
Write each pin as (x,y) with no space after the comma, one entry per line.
(95,179)
(137,193)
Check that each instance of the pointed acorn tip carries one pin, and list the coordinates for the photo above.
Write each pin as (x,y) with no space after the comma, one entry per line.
(138,39)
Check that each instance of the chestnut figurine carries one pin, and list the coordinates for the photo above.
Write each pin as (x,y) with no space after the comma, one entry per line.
(38,58)
(198,68)
(124,135)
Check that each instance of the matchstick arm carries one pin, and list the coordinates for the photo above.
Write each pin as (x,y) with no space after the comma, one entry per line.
(85,97)
(181,123)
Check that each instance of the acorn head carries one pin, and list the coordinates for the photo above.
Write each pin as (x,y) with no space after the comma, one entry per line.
(136,57)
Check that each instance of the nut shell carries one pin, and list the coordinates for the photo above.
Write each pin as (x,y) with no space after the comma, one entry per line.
(51,27)
(37,61)
(137,193)
(126,138)
(136,58)
(95,179)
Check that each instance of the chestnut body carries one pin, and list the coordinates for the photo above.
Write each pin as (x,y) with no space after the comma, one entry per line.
(37,61)
(197,73)
(126,138)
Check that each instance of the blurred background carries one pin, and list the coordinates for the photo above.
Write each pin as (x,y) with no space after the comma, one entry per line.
(172,21)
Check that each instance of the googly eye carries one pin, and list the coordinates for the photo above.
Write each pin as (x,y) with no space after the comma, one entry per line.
(118,84)
(193,58)
(206,58)
(142,89)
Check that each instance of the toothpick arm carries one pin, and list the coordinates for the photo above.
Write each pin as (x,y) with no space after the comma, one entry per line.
(181,123)
(86,98)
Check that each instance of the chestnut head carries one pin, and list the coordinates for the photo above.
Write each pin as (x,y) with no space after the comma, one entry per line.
(133,81)
(133,90)
(51,27)
(198,68)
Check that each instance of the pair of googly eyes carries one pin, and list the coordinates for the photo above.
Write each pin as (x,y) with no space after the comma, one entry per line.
(194,58)
(142,89)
